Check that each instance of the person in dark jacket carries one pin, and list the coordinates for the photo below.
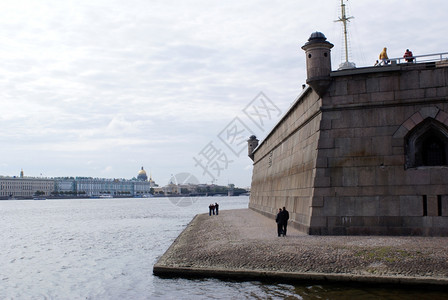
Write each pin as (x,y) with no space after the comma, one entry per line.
(217,208)
(285,220)
(211,208)
(279,221)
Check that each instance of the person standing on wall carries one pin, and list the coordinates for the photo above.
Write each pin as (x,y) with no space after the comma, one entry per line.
(383,56)
(279,221)
(408,56)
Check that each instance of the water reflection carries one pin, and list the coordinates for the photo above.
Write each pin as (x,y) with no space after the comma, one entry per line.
(221,289)
(357,291)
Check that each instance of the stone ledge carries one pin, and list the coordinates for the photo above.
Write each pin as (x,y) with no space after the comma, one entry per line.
(243,245)
(262,275)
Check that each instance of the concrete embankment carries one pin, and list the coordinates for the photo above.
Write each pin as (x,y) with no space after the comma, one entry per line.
(243,244)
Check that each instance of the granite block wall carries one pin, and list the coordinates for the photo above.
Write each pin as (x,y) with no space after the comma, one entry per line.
(362,155)
(284,163)
(340,164)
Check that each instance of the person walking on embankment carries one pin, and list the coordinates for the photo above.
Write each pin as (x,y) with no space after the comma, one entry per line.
(285,220)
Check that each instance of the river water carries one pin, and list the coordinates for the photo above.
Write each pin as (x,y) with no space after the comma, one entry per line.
(106,249)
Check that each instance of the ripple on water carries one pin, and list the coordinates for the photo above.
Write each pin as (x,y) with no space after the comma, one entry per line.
(106,249)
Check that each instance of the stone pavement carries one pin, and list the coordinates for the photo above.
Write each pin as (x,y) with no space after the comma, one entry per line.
(243,244)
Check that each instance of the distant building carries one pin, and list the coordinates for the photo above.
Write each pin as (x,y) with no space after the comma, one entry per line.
(360,151)
(172,189)
(142,188)
(25,187)
(103,186)
(65,186)
(88,186)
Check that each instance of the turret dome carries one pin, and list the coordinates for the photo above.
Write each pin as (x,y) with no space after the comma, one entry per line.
(317,36)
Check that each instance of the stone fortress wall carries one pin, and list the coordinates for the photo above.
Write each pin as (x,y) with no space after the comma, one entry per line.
(362,151)
(285,163)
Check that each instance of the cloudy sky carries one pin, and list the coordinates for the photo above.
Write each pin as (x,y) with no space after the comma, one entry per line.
(101,88)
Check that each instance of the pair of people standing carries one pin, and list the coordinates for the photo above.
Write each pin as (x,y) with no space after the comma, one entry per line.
(384,59)
(282,221)
(212,208)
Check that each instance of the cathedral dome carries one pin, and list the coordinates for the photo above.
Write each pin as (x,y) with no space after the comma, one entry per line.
(142,175)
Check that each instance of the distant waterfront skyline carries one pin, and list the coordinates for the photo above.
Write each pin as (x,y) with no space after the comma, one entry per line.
(138,176)
(22,173)
(100,88)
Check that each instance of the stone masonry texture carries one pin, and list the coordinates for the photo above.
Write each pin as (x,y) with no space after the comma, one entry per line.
(340,162)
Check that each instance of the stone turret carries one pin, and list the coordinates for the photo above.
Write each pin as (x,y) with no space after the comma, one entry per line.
(318,62)
(252,143)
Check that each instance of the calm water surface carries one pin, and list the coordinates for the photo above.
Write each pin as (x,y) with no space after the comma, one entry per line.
(106,248)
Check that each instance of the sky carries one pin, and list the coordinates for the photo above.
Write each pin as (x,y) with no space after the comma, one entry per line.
(101,88)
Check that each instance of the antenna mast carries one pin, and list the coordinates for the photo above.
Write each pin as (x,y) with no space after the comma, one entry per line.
(344,19)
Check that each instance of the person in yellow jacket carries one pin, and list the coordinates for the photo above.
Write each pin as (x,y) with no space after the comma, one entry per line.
(383,56)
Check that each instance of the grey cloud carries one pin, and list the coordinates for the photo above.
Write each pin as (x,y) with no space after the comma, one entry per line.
(154,81)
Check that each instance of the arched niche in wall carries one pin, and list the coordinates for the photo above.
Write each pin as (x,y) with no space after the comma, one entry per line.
(427,144)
